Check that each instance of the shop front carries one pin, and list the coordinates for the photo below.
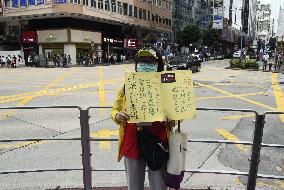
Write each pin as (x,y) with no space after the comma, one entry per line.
(73,42)
(29,44)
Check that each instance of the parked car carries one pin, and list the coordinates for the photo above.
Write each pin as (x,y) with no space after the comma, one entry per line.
(190,62)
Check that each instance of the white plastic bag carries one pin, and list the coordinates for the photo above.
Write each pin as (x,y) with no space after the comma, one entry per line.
(177,152)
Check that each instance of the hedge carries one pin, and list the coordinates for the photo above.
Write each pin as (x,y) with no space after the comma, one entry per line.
(244,64)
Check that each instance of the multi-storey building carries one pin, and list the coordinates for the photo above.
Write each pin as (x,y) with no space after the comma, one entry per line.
(71,27)
(264,31)
(190,12)
(280,31)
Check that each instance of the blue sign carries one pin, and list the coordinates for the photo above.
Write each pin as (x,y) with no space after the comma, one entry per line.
(23,3)
(59,1)
(218,17)
(15,3)
(31,2)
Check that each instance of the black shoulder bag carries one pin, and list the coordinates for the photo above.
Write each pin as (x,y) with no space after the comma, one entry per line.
(152,149)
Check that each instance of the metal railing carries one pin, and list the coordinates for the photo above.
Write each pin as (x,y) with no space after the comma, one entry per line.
(86,153)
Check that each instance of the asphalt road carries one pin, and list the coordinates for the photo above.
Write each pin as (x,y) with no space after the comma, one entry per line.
(215,87)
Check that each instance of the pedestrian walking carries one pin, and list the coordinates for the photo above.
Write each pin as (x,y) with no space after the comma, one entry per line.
(21,61)
(30,61)
(265,60)
(134,163)
(8,61)
(14,62)
(2,59)
(68,60)
(64,61)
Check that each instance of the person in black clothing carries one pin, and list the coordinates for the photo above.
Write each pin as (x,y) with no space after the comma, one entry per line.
(64,61)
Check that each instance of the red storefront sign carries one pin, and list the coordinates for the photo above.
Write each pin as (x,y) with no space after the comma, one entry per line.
(28,37)
(132,43)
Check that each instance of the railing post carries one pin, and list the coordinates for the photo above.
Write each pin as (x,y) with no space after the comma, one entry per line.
(256,147)
(86,153)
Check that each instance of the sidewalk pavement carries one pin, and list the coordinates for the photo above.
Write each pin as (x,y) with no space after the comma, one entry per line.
(113,188)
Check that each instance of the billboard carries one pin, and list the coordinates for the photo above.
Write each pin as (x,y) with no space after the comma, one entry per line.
(218,14)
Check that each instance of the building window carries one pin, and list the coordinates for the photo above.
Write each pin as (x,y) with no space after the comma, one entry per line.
(170,22)
(170,7)
(144,14)
(85,2)
(39,2)
(160,19)
(160,3)
(135,11)
(130,10)
(100,4)
(155,3)
(107,5)
(125,8)
(156,18)
(153,17)
(140,13)
(119,7)
(93,3)
(113,6)
(149,16)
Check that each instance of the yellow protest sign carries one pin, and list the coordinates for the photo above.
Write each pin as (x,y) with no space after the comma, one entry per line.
(157,96)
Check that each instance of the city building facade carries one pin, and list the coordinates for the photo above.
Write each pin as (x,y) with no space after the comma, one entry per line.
(264,25)
(81,26)
(280,31)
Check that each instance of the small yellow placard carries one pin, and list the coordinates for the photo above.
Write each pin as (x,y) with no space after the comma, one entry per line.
(159,96)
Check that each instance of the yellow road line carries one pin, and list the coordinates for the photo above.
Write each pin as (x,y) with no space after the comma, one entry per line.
(229,136)
(272,185)
(102,95)
(220,97)
(21,144)
(279,97)
(57,91)
(236,117)
(26,100)
(104,134)
(238,97)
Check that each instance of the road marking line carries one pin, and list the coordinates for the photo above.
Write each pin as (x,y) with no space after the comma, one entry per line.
(238,97)
(236,117)
(26,100)
(279,97)
(58,90)
(219,97)
(21,144)
(280,183)
(104,134)
(229,136)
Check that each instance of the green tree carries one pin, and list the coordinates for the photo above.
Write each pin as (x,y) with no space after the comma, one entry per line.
(188,35)
(211,38)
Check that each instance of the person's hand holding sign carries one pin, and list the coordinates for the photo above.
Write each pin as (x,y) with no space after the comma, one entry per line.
(122,117)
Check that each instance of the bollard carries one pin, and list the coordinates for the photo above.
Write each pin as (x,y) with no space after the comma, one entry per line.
(86,154)
(256,147)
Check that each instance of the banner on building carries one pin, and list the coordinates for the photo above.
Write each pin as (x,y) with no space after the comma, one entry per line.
(218,14)
(159,96)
